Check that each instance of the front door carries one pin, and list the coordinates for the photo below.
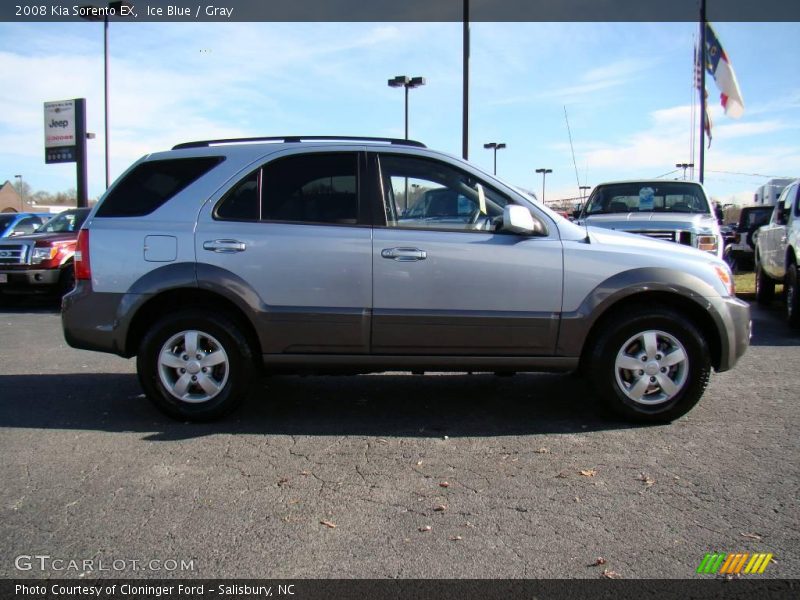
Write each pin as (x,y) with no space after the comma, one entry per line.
(445,281)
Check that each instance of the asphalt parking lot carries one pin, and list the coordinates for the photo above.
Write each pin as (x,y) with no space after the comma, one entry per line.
(392,475)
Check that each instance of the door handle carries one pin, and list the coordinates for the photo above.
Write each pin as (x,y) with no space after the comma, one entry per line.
(404,254)
(224,246)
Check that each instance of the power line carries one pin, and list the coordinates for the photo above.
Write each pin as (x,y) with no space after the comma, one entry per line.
(752,174)
(667,173)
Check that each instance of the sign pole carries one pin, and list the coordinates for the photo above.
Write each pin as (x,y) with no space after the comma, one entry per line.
(81,170)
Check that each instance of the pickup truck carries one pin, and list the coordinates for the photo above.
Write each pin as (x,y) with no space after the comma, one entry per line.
(778,253)
(41,263)
(674,211)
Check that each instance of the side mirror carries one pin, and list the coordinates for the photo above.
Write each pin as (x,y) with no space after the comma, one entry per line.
(576,214)
(518,219)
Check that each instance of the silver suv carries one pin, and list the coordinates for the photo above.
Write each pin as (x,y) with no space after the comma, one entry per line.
(219,259)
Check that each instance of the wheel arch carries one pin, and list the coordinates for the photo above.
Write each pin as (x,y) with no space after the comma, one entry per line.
(695,313)
(187,298)
(650,287)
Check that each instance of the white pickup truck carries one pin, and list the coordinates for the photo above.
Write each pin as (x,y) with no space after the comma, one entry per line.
(778,253)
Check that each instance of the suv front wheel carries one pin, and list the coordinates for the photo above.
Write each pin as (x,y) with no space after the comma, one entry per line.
(195,366)
(649,365)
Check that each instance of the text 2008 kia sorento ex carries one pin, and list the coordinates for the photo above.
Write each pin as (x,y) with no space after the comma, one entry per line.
(220,259)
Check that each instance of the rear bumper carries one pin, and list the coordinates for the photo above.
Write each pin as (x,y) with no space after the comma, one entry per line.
(28,280)
(90,320)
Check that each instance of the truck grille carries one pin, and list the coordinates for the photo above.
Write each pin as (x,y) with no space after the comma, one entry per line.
(13,254)
(659,234)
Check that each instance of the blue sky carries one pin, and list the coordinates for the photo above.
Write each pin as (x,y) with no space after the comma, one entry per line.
(626,87)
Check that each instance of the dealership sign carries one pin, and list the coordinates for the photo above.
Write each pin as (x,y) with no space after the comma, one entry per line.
(60,139)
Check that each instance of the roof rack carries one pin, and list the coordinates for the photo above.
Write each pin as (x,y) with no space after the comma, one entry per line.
(292,139)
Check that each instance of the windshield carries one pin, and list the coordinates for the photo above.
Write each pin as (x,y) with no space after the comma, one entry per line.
(65,222)
(673,197)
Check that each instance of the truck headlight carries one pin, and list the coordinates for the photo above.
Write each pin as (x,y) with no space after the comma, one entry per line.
(708,243)
(42,254)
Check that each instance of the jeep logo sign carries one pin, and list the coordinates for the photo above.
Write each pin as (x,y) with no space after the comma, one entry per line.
(59,124)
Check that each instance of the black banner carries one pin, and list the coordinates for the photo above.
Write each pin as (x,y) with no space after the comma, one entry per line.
(387,589)
(398,10)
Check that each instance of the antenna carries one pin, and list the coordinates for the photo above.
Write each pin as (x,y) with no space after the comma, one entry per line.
(577,177)
(569,132)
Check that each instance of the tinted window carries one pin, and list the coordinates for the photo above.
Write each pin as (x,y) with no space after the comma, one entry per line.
(5,221)
(316,188)
(152,183)
(241,203)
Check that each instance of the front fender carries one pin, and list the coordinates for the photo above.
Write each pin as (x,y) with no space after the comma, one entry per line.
(576,325)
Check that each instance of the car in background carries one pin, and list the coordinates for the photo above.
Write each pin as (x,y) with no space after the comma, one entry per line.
(674,211)
(42,262)
(778,253)
(740,252)
(14,224)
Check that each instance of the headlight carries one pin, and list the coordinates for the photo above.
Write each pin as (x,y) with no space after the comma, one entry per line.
(726,277)
(42,254)
(707,243)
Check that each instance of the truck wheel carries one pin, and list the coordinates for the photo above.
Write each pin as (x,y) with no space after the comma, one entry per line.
(195,366)
(66,281)
(792,296)
(650,365)
(765,287)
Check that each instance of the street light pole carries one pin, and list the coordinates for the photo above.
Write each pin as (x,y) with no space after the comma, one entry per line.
(684,166)
(544,173)
(495,146)
(115,6)
(408,83)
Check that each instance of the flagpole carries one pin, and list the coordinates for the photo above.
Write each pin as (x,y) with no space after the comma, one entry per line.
(702,88)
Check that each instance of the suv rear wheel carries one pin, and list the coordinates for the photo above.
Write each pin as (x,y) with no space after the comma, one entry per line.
(792,296)
(650,365)
(195,366)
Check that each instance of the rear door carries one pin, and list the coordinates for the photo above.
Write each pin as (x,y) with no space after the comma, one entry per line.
(445,281)
(292,235)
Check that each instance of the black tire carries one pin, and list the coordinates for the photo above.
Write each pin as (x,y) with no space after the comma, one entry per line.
(729,257)
(765,287)
(66,281)
(792,295)
(672,332)
(752,233)
(231,379)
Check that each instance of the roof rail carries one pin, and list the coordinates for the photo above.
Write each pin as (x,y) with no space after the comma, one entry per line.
(291,139)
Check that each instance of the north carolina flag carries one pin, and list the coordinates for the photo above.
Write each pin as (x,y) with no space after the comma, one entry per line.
(719,67)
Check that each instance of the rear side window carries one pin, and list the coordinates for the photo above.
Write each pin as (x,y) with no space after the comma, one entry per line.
(150,184)
(314,188)
(306,188)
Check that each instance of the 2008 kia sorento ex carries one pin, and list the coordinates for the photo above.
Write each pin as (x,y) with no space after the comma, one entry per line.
(307,254)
